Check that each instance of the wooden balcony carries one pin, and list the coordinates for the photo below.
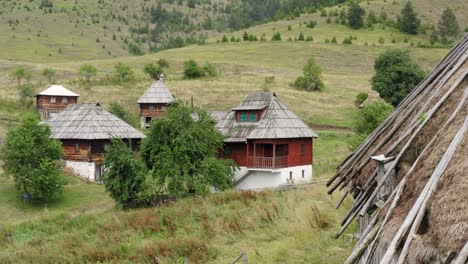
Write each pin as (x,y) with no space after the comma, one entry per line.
(267,162)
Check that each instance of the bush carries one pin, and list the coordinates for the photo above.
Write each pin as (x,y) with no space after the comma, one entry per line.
(210,70)
(333,40)
(348,40)
(87,71)
(311,24)
(153,70)
(192,70)
(123,73)
(360,98)
(395,75)
(122,113)
(311,80)
(301,37)
(355,14)
(163,63)
(276,36)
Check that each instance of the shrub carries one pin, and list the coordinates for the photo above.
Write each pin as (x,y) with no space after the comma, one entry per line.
(309,38)
(360,98)
(153,70)
(123,73)
(122,113)
(301,37)
(210,70)
(311,80)
(276,36)
(311,24)
(355,14)
(192,70)
(163,63)
(87,71)
(348,40)
(49,73)
(333,40)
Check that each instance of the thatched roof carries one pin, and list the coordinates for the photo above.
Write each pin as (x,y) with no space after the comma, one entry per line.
(276,122)
(89,121)
(417,207)
(158,93)
(58,90)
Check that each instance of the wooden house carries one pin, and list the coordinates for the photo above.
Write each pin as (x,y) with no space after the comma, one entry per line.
(154,101)
(270,144)
(54,99)
(85,130)
(409,178)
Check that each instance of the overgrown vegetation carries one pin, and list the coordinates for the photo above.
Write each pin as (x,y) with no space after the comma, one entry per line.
(311,80)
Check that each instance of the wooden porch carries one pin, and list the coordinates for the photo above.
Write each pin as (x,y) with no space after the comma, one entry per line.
(266,155)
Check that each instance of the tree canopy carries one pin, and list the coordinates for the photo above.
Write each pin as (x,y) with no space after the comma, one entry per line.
(408,20)
(355,14)
(448,24)
(181,153)
(87,71)
(20,73)
(49,73)
(395,75)
(153,70)
(123,72)
(31,156)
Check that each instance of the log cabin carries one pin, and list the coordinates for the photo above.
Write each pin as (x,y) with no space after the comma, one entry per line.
(409,178)
(154,101)
(54,100)
(85,130)
(269,143)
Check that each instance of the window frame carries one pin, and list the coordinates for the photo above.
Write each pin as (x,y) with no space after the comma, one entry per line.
(53,100)
(252,114)
(303,149)
(227,150)
(64,100)
(243,116)
(151,109)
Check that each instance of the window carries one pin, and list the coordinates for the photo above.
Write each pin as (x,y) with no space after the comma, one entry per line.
(243,117)
(253,117)
(77,148)
(290,175)
(303,149)
(227,150)
(163,108)
(64,100)
(151,108)
(147,120)
(302,174)
(53,100)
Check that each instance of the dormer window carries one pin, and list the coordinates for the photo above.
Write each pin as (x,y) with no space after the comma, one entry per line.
(253,117)
(243,117)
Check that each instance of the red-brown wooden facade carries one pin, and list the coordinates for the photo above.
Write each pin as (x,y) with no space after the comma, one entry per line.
(271,153)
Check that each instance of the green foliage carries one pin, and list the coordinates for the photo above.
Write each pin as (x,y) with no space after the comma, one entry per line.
(125,174)
(210,70)
(192,70)
(49,73)
(87,71)
(355,14)
(369,118)
(135,49)
(276,36)
(311,24)
(122,113)
(181,154)
(348,40)
(123,73)
(311,80)
(301,37)
(26,91)
(20,73)
(395,75)
(360,98)
(31,156)
(408,20)
(153,70)
(163,63)
(448,24)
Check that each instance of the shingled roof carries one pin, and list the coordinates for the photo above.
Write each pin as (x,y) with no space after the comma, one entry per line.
(415,210)
(158,93)
(57,90)
(276,122)
(89,121)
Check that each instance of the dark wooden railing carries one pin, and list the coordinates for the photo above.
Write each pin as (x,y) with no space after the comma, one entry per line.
(267,162)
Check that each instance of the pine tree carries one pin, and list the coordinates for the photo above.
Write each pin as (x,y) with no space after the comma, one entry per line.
(409,21)
(355,14)
(448,25)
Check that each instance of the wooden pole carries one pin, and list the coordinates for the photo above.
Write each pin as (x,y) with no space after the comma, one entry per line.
(462,256)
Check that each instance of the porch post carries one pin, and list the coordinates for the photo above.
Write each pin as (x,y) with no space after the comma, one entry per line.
(274,155)
(247,143)
(255,155)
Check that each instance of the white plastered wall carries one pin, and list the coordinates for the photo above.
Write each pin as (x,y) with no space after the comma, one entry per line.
(263,179)
(82,168)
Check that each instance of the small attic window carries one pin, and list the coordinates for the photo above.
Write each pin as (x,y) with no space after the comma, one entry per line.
(53,100)
(253,117)
(243,117)
(151,108)
(64,100)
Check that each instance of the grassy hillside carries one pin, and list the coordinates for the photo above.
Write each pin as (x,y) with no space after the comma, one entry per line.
(61,30)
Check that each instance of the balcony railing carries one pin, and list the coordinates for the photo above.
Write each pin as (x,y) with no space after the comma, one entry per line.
(268,162)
